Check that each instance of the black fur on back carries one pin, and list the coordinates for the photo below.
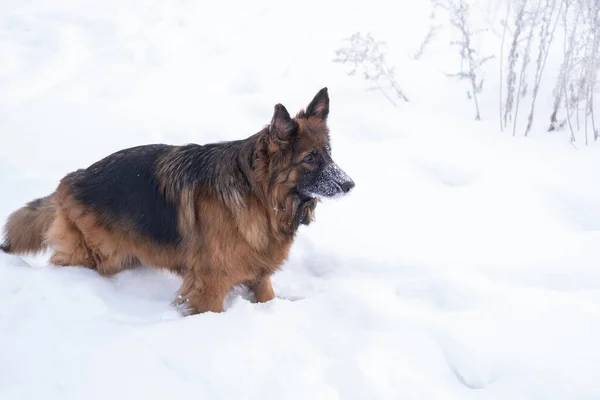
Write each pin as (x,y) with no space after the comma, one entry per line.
(123,188)
(140,185)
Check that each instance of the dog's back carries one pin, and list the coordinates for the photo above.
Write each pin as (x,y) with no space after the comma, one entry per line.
(124,191)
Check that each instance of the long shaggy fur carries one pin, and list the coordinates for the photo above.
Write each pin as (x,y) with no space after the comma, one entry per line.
(220,214)
(25,230)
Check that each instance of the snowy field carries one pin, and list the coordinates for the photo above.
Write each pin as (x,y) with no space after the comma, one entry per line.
(464,265)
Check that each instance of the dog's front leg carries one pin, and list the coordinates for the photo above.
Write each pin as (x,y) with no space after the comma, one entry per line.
(203,292)
(263,289)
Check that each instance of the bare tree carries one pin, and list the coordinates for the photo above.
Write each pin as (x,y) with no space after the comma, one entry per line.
(470,66)
(531,17)
(513,55)
(504,28)
(546,37)
(530,31)
(431,32)
(568,64)
(591,62)
(367,55)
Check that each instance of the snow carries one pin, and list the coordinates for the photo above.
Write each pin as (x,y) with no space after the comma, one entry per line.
(464,264)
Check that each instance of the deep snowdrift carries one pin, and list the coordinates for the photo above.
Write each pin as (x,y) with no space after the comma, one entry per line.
(464,265)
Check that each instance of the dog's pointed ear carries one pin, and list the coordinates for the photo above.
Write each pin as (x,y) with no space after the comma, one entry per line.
(282,125)
(319,106)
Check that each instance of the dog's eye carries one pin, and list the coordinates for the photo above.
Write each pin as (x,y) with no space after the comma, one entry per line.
(309,159)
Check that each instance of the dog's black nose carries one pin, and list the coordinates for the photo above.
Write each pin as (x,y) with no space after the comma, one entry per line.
(347,186)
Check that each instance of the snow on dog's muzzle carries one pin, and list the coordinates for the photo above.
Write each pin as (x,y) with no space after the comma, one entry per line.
(331,182)
(342,179)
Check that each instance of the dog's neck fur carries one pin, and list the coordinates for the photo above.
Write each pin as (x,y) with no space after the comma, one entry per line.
(223,165)
(286,210)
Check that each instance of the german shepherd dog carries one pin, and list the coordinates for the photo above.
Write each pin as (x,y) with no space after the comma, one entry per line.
(219,215)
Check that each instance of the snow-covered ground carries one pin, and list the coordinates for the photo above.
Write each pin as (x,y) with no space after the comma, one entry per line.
(463,266)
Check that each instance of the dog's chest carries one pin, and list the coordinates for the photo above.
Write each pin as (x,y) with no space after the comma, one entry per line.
(255,232)
(265,251)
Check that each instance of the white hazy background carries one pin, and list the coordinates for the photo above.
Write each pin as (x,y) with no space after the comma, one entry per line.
(464,265)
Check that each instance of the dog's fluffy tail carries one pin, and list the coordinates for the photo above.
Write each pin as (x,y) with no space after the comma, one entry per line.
(25,230)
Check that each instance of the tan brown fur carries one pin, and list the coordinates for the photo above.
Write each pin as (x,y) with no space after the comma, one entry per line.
(27,226)
(235,225)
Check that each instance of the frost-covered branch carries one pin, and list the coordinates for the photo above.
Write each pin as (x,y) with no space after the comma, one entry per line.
(532,17)
(470,61)
(431,32)
(513,55)
(504,28)
(366,56)
(546,37)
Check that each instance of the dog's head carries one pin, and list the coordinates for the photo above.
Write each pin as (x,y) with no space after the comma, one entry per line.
(298,153)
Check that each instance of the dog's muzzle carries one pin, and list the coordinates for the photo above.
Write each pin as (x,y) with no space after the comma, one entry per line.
(342,179)
(331,182)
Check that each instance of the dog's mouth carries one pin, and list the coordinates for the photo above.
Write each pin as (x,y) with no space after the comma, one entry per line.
(304,204)
(325,190)
(304,197)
